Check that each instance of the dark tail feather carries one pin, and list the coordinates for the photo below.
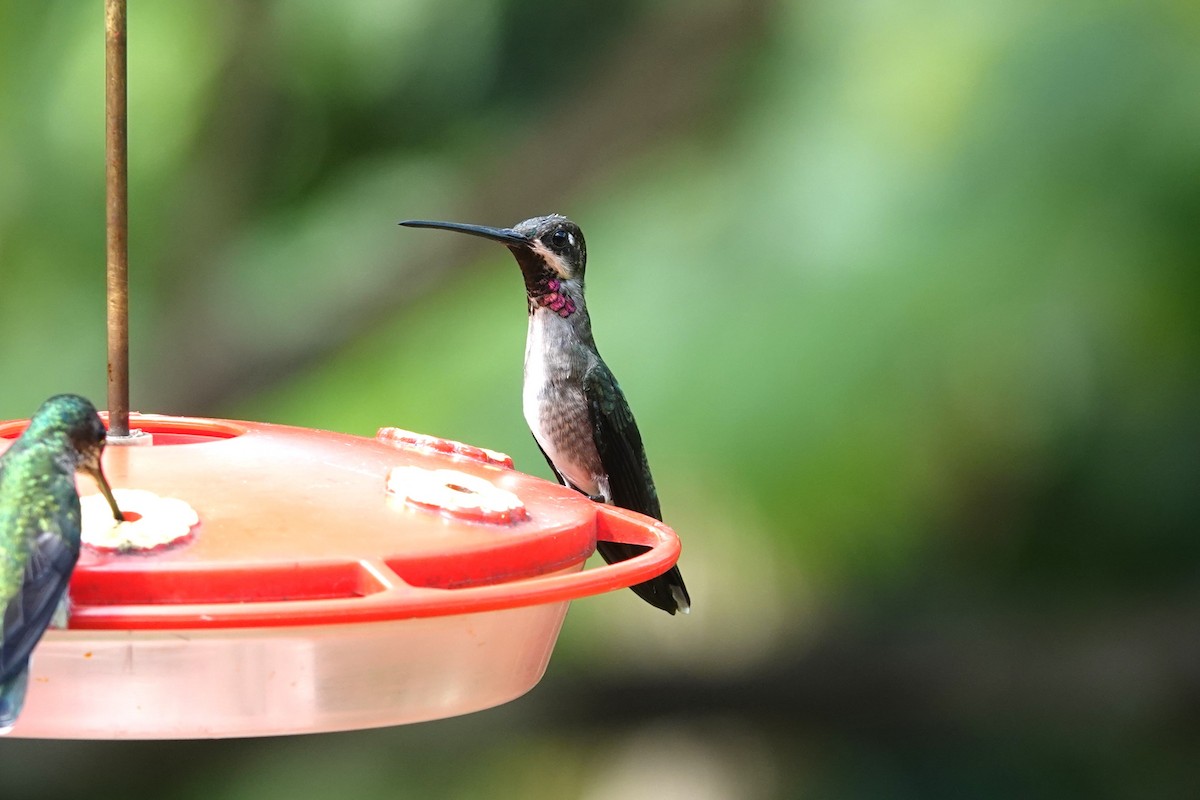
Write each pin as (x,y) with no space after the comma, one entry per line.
(12,697)
(665,591)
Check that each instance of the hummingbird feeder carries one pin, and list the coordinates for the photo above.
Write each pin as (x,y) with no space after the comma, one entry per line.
(318,581)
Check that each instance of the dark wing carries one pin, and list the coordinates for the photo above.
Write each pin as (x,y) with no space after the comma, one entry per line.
(619,444)
(624,460)
(45,579)
(553,468)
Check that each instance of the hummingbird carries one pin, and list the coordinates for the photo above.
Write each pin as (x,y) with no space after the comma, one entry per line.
(39,531)
(573,405)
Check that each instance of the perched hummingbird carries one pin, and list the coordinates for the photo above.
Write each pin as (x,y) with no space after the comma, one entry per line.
(572,403)
(39,531)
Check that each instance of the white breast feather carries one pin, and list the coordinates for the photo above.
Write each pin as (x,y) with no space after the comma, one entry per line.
(534,395)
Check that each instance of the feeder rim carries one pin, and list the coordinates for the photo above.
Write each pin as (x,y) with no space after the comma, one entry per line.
(400,600)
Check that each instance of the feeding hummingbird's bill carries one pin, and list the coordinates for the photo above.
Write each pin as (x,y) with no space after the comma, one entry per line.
(572,403)
(39,531)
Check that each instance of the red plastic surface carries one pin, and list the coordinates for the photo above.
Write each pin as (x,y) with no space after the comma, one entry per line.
(296,529)
(423,441)
(307,599)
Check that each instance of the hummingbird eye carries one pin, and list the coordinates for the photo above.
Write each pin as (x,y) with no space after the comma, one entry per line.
(559,238)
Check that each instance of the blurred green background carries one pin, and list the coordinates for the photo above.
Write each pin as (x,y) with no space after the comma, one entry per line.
(904,296)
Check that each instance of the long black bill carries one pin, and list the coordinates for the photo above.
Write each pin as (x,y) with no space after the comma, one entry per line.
(106,490)
(506,235)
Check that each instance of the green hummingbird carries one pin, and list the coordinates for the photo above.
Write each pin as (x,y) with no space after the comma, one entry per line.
(39,531)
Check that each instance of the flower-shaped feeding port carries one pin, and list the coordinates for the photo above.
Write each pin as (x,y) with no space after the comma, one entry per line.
(308,597)
(151,521)
(456,494)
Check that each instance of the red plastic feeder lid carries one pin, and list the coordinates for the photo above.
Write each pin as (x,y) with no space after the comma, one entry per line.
(300,541)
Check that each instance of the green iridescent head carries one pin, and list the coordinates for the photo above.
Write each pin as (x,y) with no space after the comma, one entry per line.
(74,419)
